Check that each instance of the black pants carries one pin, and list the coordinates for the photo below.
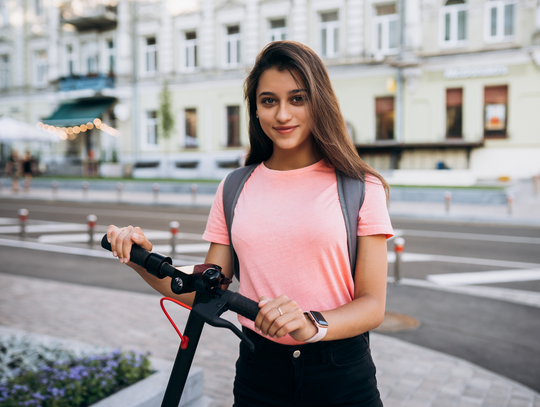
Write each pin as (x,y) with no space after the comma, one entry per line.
(331,373)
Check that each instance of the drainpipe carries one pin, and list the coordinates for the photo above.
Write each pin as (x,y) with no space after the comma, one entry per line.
(399,81)
(135,74)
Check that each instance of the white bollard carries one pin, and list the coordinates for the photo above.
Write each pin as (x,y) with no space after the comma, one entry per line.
(510,202)
(174,226)
(54,187)
(447,200)
(194,188)
(155,188)
(119,187)
(23,217)
(91,219)
(85,186)
(399,246)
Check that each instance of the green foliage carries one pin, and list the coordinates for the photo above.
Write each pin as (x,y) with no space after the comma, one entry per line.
(69,382)
(166,117)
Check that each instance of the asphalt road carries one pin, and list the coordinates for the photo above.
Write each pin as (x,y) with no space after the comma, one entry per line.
(497,335)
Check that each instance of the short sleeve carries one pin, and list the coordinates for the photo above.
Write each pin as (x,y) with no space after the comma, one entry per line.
(374,218)
(216,227)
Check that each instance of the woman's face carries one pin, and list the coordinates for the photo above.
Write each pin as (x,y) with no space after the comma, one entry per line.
(282,111)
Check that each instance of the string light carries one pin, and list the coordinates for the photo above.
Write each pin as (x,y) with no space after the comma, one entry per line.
(71,132)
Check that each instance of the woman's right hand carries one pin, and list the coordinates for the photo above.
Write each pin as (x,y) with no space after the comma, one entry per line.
(121,240)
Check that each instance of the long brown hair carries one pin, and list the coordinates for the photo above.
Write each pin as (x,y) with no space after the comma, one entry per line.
(331,138)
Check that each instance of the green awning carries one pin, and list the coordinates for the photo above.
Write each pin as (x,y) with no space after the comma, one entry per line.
(80,112)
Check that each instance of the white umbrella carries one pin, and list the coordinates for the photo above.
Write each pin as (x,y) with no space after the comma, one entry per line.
(14,130)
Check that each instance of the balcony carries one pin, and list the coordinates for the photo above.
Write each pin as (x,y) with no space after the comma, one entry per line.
(88,15)
(95,82)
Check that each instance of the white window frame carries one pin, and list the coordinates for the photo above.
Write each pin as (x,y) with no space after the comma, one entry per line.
(150,56)
(277,34)
(232,42)
(332,29)
(151,126)
(69,57)
(500,6)
(90,55)
(453,11)
(4,72)
(110,53)
(41,68)
(189,48)
(385,21)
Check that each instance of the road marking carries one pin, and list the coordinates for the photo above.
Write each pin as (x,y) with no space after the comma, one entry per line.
(79,251)
(529,298)
(484,277)
(467,236)
(418,257)
(8,221)
(107,212)
(83,237)
(58,227)
(183,248)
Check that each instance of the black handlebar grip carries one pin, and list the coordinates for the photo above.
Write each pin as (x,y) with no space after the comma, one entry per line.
(243,306)
(138,255)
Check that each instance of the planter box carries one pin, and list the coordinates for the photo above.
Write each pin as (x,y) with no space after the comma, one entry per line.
(149,392)
(111,170)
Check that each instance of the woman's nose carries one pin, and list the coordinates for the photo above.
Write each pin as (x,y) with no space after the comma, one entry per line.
(283,114)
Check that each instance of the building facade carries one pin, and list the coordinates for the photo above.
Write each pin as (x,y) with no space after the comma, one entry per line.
(423,84)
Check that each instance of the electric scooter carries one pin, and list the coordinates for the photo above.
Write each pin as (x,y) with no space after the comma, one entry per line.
(210,302)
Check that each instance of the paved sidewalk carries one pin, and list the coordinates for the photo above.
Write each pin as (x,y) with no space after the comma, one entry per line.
(525,210)
(408,375)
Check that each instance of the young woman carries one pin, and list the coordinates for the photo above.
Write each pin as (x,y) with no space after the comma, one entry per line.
(291,241)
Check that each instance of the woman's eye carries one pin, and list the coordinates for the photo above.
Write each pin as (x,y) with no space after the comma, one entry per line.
(298,99)
(268,101)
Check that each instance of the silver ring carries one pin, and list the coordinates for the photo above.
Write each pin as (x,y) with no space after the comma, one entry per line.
(280,312)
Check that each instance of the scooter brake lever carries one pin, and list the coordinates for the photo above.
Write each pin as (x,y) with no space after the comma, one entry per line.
(223,323)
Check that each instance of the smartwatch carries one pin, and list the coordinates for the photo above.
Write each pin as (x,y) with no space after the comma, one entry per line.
(320,323)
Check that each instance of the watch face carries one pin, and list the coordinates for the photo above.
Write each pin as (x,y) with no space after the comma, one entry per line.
(319,318)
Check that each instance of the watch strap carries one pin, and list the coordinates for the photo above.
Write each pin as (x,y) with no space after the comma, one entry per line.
(321,331)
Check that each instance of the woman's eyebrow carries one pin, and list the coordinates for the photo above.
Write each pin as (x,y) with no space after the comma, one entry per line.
(290,92)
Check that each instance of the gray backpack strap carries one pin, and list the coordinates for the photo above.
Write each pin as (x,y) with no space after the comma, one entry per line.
(351,193)
(234,183)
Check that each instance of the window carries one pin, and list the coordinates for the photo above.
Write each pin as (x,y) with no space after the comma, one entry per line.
(500,20)
(191,128)
(151,128)
(384,115)
(40,10)
(454,113)
(110,57)
(90,57)
(495,111)
(329,34)
(232,46)
(41,68)
(4,71)
(278,30)
(386,30)
(151,55)
(454,23)
(4,14)
(233,126)
(190,50)
(70,60)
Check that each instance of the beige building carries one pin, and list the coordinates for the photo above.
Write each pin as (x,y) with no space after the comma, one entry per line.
(470,70)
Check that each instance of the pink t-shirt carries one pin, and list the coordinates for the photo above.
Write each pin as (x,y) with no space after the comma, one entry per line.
(290,236)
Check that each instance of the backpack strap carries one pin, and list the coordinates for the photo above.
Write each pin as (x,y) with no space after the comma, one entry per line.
(233,185)
(351,193)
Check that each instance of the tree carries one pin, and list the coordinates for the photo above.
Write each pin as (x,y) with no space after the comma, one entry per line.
(166,117)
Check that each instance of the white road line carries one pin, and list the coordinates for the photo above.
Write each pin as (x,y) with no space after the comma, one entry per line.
(484,277)
(418,257)
(83,237)
(529,298)
(467,236)
(107,212)
(8,221)
(101,253)
(183,248)
(59,227)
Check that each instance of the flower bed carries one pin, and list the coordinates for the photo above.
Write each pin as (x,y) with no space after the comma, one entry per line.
(41,376)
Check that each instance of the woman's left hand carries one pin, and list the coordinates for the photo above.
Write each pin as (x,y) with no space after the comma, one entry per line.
(281,316)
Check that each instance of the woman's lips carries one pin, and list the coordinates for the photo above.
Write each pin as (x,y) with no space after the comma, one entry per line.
(285,129)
